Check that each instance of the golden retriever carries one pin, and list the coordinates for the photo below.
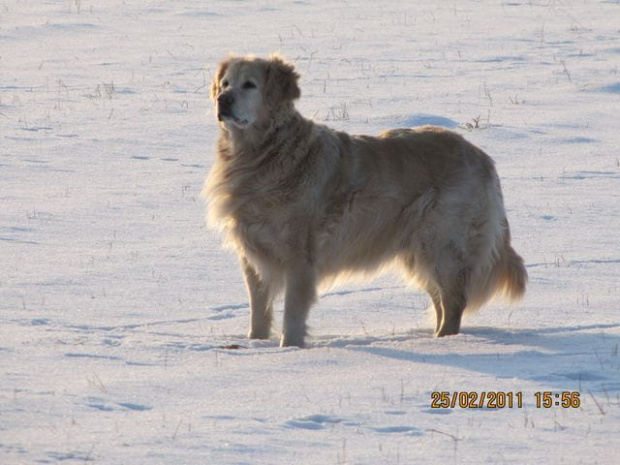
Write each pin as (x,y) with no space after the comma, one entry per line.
(304,205)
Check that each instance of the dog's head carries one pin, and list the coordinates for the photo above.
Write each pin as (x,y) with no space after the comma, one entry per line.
(249,91)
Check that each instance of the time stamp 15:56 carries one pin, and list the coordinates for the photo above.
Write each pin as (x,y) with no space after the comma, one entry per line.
(503,399)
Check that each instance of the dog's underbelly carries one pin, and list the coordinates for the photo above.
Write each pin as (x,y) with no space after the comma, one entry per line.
(361,239)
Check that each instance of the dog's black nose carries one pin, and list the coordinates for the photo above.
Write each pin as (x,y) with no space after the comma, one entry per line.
(225,100)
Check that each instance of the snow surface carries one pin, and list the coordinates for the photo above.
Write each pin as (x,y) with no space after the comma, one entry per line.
(122,321)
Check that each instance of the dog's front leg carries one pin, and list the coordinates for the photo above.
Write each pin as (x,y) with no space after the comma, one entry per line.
(261,302)
(299,296)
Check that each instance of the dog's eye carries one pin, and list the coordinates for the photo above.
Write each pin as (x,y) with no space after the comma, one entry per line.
(249,85)
(224,83)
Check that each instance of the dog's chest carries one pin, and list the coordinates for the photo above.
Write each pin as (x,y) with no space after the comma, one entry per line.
(264,227)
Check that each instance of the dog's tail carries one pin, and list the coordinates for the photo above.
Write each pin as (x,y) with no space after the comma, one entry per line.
(512,275)
(506,277)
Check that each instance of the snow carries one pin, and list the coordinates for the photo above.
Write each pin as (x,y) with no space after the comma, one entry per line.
(123,321)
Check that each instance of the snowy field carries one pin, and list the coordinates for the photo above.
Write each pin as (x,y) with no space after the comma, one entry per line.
(118,308)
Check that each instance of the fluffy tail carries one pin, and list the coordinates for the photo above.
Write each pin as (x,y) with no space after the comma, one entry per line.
(505,278)
(512,275)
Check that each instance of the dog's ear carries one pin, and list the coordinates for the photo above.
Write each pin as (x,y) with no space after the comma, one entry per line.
(215,84)
(281,80)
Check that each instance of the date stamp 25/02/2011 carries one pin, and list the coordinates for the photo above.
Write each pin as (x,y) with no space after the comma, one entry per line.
(503,399)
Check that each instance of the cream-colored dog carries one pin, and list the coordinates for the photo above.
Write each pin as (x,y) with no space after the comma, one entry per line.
(305,205)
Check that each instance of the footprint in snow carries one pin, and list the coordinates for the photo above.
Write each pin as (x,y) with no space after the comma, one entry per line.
(136,407)
(438,411)
(409,430)
(313,422)
(101,405)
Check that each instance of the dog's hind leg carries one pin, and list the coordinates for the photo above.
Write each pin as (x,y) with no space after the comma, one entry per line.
(436,299)
(453,303)
(299,296)
(409,264)
(261,302)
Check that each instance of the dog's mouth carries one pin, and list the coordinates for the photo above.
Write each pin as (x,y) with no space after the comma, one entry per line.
(228,117)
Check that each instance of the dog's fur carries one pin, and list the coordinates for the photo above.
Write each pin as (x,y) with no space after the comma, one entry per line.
(305,205)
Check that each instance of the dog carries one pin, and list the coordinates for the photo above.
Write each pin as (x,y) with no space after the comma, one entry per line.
(304,205)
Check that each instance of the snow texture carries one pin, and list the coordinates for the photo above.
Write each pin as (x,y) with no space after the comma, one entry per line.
(122,320)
